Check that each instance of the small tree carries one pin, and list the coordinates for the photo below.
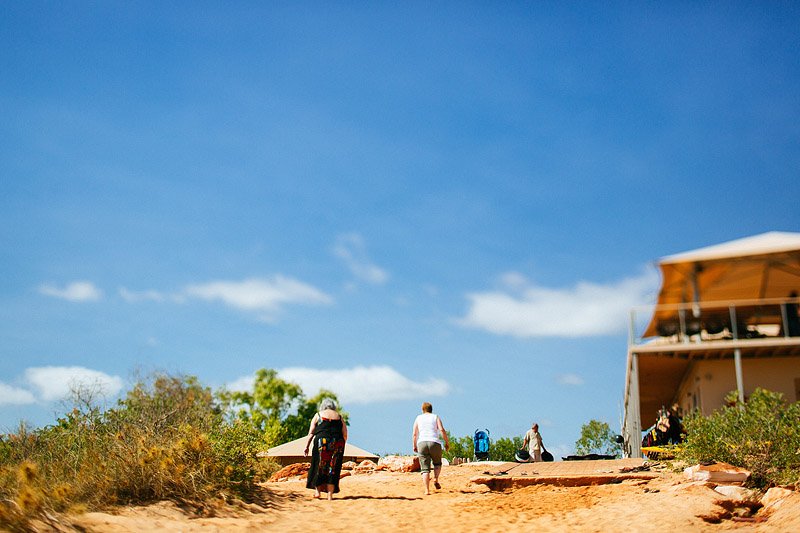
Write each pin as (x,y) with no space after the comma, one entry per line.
(296,425)
(596,437)
(270,400)
(275,407)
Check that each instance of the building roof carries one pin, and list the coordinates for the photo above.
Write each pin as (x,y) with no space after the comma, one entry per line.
(771,242)
(295,449)
(765,266)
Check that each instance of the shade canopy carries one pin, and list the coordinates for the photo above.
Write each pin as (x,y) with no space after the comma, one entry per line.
(293,451)
(753,268)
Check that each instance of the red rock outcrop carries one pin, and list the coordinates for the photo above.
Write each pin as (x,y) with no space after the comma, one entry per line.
(399,463)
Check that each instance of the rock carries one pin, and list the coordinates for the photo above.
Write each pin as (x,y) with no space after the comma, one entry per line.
(717,473)
(735,492)
(774,497)
(400,463)
(715,517)
(296,469)
(348,465)
(365,467)
(692,485)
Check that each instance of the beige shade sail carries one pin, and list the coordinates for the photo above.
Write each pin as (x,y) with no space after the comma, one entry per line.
(753,268)
(294,450)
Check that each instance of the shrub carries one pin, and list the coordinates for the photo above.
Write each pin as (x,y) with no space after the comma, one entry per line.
(504,448)
(459,447)
(501,449)
(761,435)
(165,440)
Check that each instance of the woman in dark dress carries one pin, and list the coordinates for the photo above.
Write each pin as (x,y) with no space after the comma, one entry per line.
(328,432)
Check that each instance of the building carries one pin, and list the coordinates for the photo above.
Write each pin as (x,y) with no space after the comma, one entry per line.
(292,452)
(725,320)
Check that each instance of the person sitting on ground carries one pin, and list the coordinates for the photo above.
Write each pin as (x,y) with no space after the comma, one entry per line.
(428,437)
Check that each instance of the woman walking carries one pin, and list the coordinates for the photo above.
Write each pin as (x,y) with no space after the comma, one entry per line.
(329,435)
(428,438)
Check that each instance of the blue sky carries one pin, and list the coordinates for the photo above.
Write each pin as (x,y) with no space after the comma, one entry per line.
(455,202)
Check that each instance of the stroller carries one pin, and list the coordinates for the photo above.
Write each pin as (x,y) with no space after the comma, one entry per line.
(481,443)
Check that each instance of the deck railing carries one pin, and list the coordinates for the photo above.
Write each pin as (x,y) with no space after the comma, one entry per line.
(721,320)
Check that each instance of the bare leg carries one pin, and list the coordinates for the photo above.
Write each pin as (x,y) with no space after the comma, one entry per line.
(330,491)
(436,471)
(426,479)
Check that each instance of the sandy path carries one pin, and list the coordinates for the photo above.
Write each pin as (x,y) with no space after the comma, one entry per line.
(386,501)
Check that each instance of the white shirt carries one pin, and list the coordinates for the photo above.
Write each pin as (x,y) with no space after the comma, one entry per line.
(428,429)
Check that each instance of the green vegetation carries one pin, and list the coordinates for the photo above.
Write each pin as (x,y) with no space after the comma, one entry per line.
(462,447)
(501,449)
(276,407)
(762,435)
(170,438)
(504,448)
(596,437)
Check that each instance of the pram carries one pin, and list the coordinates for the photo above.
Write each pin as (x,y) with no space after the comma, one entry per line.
(481,444)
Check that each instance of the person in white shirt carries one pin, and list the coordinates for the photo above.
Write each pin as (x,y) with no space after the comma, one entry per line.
(533,440)
(428,438)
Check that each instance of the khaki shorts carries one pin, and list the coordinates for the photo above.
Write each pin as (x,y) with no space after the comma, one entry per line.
(429,452)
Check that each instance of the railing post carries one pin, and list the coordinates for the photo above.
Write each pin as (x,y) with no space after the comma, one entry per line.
(682,319)
(734,325)
(737,356)
(784,320)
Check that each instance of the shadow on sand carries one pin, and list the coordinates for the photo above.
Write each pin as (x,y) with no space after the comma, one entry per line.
(363,497)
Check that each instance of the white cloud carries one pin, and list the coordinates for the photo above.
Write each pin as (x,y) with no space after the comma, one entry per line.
(569,379)
(358,385)
(523,309)
(77,291)
(15,396)
(362,385)
(57,382)
(140,296)
(259,294)
(243,384)
(351,250)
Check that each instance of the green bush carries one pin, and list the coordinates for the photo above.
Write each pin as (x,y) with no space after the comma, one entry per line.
(459,447)
(761,435)
(166,440)
(504,448)
(501,449)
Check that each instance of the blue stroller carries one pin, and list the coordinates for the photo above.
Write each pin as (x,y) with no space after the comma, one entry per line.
(481,443)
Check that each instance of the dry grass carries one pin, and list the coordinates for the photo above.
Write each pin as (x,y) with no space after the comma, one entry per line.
(165,441)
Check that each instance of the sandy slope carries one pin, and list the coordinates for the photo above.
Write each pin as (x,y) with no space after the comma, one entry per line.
(388,501)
